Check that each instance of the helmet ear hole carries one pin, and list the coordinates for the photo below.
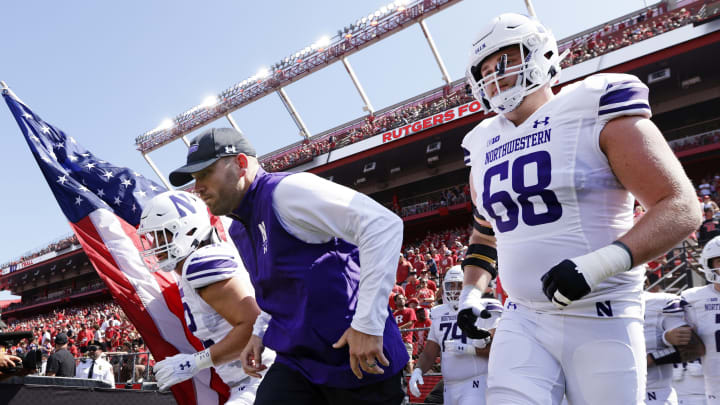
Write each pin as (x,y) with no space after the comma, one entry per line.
(548,55)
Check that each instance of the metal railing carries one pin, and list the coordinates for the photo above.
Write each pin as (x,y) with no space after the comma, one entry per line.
(125,363)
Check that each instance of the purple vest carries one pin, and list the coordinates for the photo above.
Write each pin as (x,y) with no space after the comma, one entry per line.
(309,289)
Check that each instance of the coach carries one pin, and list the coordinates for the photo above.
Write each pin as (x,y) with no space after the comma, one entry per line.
(302,239)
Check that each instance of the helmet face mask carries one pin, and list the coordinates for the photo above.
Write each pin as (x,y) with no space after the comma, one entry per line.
(172,226)
(538,63)
(452,286)
(710,254)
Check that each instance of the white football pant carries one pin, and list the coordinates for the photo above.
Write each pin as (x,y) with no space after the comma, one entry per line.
(537,357)
(465,392)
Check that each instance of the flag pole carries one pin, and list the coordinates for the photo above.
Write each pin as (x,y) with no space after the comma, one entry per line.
(6,90)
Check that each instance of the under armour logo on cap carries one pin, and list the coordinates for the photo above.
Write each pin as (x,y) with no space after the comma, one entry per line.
(230,149)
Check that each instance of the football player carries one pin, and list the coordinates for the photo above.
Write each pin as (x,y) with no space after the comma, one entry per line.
(702,311)
(554,178)
(464,360)
(215,290)
(668,340)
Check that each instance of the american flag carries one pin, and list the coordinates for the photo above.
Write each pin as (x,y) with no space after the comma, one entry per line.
(103,203)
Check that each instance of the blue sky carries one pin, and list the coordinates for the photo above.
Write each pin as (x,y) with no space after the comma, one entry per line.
(105,72)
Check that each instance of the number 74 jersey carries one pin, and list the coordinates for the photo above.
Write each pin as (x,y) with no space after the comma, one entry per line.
(548,190)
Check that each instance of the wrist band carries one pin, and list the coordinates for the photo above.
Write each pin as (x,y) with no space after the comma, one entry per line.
(627,249)
(203,359)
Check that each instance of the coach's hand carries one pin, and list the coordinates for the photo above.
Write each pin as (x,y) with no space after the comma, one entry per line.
(366,351)
(8,361)
(251,357)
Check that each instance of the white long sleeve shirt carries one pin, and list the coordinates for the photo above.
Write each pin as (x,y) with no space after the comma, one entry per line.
(315,210)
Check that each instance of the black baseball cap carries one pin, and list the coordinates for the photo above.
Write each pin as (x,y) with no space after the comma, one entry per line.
(206,148)
(61,339)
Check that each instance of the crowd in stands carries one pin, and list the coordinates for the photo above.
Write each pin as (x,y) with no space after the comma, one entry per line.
(708,138)
(644,25)
(103,322)
(370,126)
(429,202)
(56,246)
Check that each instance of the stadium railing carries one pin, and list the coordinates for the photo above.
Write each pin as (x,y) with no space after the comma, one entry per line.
(124,364)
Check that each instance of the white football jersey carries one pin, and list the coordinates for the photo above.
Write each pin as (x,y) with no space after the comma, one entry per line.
(663,312)
(208,265)
(548,190)
(460,366)
(702,312)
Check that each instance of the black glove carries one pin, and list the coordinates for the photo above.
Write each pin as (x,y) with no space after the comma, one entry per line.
(466,321)
(563,283)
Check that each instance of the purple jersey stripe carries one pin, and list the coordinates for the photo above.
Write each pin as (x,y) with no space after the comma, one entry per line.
(622,83)
(637,106)
(195,259)
(622,95)
(214,273)
(493,307)
(210,265)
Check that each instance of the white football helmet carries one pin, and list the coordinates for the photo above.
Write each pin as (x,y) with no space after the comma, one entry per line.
(539,64)
(172,225)
(709,252)
(452,286)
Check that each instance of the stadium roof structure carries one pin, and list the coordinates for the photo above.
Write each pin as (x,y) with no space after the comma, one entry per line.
(366,30)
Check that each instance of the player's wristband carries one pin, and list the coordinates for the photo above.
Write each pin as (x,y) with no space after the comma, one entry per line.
(666,356)
(203,359)
(603,263)
(471,297)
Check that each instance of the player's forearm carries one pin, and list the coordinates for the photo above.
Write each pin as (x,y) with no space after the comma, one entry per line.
(477,277)
(651,236)
(231,346)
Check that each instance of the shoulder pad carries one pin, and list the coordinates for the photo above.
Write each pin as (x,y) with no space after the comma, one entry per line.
(438,310)
(210,264)
(619,94)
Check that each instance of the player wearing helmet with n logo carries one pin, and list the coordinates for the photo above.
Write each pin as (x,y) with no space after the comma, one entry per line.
(464,360)
(553,179)
(215,290)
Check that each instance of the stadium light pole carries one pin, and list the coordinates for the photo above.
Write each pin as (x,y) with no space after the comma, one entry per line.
(358,86)
(293,113)
(157,171)
(233,123)
(435,52)
(530,8)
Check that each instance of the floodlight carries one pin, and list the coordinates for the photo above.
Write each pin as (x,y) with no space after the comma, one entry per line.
(263,73)
(323,42)
(209,101)
(167,123)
